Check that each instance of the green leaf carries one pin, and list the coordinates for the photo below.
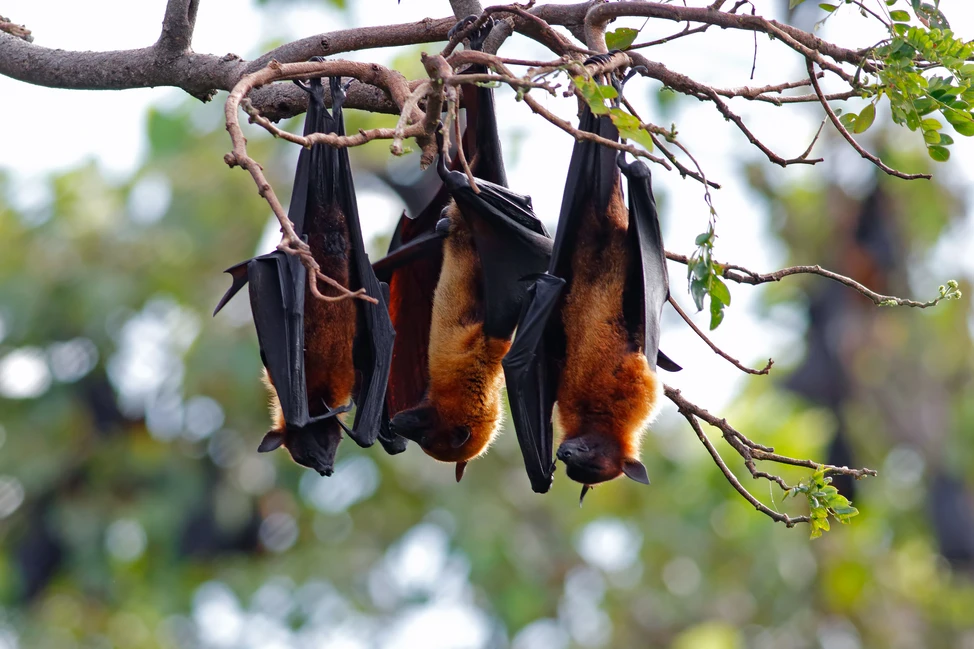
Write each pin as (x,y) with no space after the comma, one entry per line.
(621,39)
(592,94)
(900,16)
(931,125)
(716,313)
(719,290)
(848,120)
(698,291)
(865,119)
(939,153)
(931,137)
(794,3)
(962,121)
(827,7)
(702,238)
(629,128)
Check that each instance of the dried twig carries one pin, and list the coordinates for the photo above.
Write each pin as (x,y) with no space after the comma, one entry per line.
(717,350)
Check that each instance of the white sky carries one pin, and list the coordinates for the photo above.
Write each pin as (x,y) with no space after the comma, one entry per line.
(542,153)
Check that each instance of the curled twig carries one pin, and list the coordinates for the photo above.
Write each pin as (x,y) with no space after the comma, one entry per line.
(290,242)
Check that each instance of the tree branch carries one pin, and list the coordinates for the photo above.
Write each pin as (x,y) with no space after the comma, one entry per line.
(717,350)
(177,27)
(848,137)
(742,275)
(752,453)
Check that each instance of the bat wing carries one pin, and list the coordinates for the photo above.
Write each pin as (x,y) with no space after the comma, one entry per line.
(412,267)
(511,242)
(647,287)
(372,351)
(530,386)
(531,365)
(277,285)
(592,177)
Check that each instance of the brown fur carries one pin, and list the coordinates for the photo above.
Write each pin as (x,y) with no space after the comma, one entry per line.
(465,365)
(607,387)
(329,327)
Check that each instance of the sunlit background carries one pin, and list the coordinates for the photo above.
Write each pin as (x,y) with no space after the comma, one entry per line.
(135,511)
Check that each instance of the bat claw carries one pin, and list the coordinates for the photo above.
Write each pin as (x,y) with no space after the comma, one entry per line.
(462,25)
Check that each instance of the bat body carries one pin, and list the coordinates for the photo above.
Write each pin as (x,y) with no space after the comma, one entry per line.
(490,239)
(320,355)
(588,335)
(416,253)
(454,313)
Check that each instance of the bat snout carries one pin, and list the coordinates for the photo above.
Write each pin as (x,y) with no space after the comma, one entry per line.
(571,449)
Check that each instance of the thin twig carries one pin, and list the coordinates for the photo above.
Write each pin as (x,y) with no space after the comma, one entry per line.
(751,452)
(717,350)
(848,137)
(742,275)
(460,154)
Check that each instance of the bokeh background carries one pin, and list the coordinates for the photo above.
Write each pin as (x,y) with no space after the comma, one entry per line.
(135,511)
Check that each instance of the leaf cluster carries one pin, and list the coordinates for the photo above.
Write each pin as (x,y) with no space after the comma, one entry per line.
(703,276)
(824,500)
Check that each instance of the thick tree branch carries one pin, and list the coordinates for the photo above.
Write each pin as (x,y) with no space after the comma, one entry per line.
(202,74)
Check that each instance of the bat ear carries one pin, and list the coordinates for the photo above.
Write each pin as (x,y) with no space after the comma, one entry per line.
(461,435)
(272,440)
(635,470)
(460,468)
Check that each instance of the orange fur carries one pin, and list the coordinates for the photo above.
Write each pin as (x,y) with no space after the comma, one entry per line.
(607,386)
(465,365)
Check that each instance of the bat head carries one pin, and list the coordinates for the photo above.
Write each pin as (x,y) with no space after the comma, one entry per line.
(313,446)
(592,458)
(438,439)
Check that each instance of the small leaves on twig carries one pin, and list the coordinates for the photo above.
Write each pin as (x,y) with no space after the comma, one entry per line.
(703,278)
(824,500)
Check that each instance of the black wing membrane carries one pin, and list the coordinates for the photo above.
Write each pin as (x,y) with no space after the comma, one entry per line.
(511,241)
(372,351)
(531,383)
(648,280)
(277,296)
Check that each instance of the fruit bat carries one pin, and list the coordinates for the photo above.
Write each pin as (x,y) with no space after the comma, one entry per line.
(413,269)
(491,240)
(318,355)
(588,335)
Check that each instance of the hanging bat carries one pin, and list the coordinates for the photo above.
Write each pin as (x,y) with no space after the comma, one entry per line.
(416,257)
(490,239)
(588,335)
(318,355)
